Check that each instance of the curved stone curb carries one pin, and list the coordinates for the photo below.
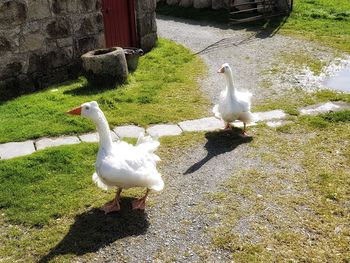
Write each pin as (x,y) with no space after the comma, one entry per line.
(52,142)
(272,119)
(161,130)
(94,137)
(14,149)
(129,131)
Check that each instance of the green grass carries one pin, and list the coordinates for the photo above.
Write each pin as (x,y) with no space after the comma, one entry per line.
(47,185)
(324,21)
(163,89)
(292,206)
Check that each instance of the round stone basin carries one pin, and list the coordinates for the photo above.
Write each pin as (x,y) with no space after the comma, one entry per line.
(105,67)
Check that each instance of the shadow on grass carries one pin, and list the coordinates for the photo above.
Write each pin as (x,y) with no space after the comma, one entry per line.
(219,142)
(93,230)
(87,89)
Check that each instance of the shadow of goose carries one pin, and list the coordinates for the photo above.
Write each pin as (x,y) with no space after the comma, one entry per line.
(219,142)
(93,230)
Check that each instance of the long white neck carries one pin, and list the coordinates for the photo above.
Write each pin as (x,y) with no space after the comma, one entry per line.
(104,132)
(229,79)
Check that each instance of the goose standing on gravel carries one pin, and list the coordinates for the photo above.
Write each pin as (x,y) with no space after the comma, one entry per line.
(233,104)
(120,164)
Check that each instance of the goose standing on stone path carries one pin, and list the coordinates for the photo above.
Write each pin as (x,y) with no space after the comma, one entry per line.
(233,104)
(120,164)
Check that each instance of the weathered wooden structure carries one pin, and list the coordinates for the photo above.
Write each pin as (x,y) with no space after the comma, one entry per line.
(250,10)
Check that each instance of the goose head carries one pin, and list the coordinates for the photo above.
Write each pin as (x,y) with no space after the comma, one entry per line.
(225,68)
(89,110)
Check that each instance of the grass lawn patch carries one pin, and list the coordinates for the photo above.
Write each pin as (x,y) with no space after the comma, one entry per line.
(324,21)
(294,205)
(163,89)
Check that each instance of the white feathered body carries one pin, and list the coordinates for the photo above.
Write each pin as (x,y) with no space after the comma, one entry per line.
(128,166)
(233,105)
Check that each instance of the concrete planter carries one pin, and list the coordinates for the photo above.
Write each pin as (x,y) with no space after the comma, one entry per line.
(105,67)
(132,55)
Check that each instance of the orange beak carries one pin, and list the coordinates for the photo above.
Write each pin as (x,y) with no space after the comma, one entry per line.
(221,70)
(75,111)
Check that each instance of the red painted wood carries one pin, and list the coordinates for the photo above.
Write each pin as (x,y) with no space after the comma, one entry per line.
(119,23)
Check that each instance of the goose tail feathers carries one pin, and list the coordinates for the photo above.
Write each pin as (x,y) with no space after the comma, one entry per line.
(100,182)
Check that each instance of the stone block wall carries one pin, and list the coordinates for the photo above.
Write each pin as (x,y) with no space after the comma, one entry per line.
(146,23)
(41,41)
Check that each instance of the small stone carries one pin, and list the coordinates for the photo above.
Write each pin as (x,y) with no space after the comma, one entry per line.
(164,130)
(239,124)
(38,9)
(204,124)
(186,3)
(15,149)
(324,108)
(94,137)
(65,42)
(269,115)
(201,3)
(52,142)
(275,124)
(128,131)
(32,41)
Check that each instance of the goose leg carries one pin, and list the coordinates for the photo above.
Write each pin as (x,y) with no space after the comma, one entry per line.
(228,126)
(114,204)
(244,134)
(140,203)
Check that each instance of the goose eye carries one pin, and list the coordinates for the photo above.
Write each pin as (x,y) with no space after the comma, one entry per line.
(87,108)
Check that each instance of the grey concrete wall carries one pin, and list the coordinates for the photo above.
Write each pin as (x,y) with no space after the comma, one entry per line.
(41,41)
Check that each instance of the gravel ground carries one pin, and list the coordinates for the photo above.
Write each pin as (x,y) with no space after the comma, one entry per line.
(175,227)
(251,54)
(178,221)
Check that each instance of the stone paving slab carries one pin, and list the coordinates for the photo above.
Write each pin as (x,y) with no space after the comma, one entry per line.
(52,142)
(94,137)
(129,131)
(324,108)
(164,130)
(204,124)
(269,115)
(239,124)
(16,149)
(275,124)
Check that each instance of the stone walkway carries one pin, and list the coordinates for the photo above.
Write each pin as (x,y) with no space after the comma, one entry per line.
(273,118)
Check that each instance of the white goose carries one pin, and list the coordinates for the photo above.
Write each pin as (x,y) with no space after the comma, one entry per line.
(120,164)
(233,104)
